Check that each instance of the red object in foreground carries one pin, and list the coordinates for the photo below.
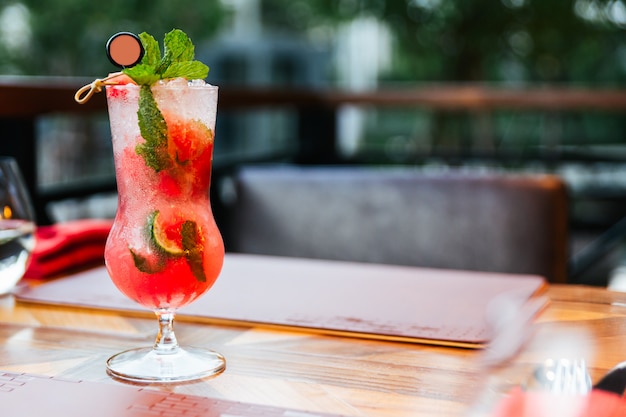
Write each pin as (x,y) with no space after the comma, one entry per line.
(542,404)
(67,246)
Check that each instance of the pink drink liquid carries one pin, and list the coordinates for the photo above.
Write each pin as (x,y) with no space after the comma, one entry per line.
(164,249)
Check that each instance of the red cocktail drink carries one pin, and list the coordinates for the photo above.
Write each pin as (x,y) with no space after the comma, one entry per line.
(164,249)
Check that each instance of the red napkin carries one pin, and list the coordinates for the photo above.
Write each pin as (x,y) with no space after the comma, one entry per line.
(542,404)
(66,246)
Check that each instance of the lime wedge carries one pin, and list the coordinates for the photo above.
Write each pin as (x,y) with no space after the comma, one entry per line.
(166,234)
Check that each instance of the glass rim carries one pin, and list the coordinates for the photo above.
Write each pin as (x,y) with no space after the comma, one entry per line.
(169,86)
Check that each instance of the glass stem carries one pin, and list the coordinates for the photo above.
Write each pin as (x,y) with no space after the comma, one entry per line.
(166,342)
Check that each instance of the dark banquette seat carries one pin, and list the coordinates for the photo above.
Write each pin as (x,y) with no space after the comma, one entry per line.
(496,222)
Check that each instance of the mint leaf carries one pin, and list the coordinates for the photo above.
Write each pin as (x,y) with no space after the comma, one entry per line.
(154,131)
(193,70)
(144,264)
(178,48)
(176,62)
(143,74)
(152,53)
(193,251)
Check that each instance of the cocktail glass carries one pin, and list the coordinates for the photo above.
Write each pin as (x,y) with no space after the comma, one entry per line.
(164,249)
(17,225)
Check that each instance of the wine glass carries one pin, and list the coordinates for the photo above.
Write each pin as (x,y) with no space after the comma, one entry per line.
(17,225)
(164,249)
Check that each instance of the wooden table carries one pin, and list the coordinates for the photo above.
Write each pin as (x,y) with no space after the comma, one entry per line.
(332,374)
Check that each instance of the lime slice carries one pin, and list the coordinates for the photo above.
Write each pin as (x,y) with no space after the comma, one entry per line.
(166,234)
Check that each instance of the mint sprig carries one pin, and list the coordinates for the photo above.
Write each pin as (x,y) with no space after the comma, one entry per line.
(193,251)
(145,264)
(177,61)
(153,129)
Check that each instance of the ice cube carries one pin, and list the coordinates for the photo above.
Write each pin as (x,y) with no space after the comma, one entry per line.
(174,82)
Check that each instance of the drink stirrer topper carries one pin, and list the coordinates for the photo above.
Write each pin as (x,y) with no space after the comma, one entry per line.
(124,50)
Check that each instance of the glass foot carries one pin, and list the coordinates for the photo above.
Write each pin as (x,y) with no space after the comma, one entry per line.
(145,365)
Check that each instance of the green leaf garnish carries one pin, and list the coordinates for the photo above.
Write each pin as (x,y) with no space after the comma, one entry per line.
(176,62)
(178,48)
(192,70)
(143,74)
(152,55)
(154,130)
(144,264)
(193,251)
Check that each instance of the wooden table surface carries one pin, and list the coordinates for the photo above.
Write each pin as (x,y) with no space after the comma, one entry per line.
(313,372)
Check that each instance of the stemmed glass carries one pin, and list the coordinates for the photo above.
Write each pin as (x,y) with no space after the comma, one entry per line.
(17,225)
(164,249)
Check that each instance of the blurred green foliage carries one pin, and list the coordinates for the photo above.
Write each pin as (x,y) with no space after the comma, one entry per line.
(68,37)
(483,40)
(571,41)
